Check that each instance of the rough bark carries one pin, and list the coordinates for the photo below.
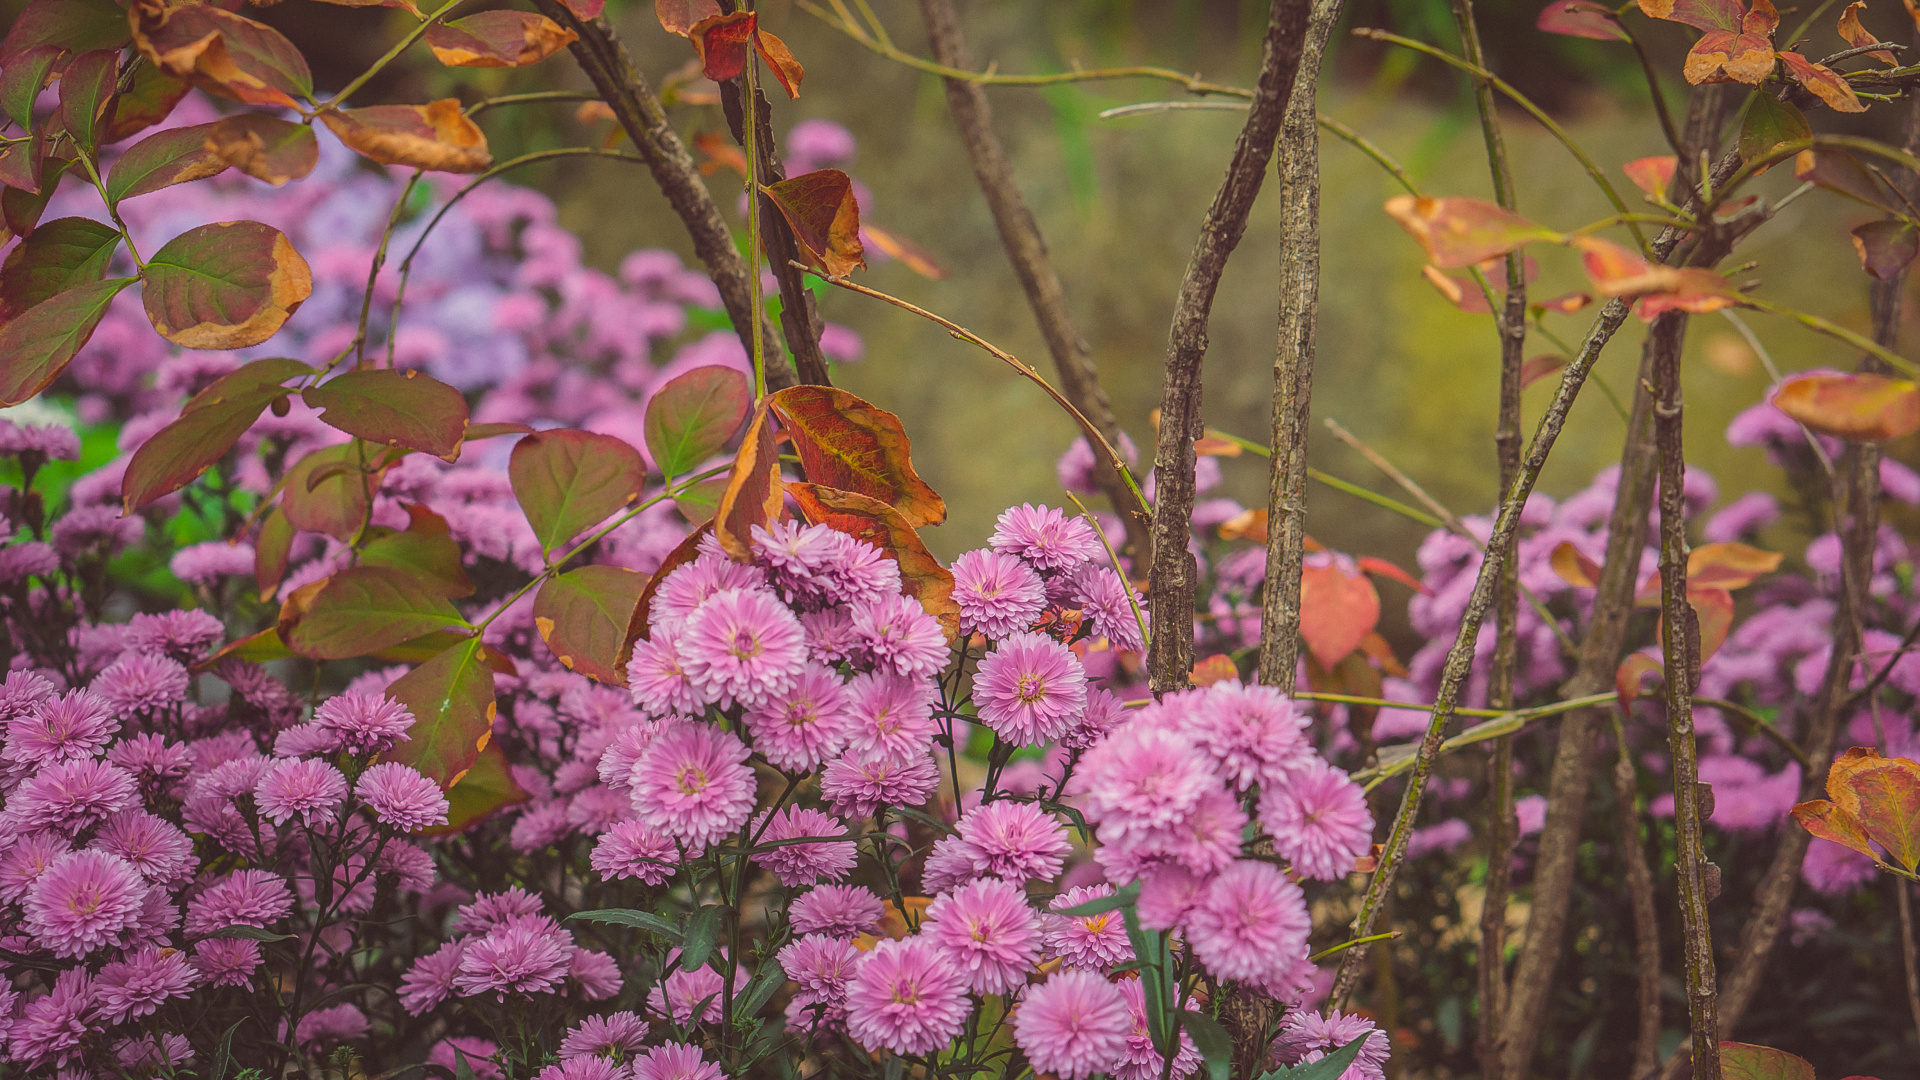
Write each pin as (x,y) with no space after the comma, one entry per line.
(1646,914)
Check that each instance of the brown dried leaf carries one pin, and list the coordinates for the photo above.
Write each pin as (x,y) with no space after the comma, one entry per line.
(265,147)
(1857,35)
(825,218)
(1823,82)
(436,136)
(498,39)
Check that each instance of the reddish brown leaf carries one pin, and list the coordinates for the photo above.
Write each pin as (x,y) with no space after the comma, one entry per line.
(825,218)
(585,9)
(780,61)
(1565,303)
(222,52)
(1823,82)
(847,443)
(211,423)
(74,26)
(568,481)
(265,147)
(270,552)
(147,100)
(1574,567)
(487,785)
(1729,565)
(1337,611)
(22,79)
(59,255)
(583,617)
(495,39)
(451,698)
(1246,525)
(1699,14)
(720,154)
(173,156)
(681,16)
(224,286)
(1886,247)
(1840,172)
(86,92)
(1463,293)
(1856,35)
(325,492)
(1373,564)
(724,42)
(1830,822)
(1216,668)
(1539,367)
(1616,271)
(1863,408)
(1713,613)
(1458,232)
(753,490)
(1723,56)
(368,608)
(1652,175)
(692,417)
(910,254)
(436,136)
(1743,1061)
(1883,795)
(1580,18)
(37,346)
(882,526)
(394,408)
(1629,679)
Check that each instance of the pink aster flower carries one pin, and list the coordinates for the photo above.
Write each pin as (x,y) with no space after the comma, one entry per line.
(657,677)
(1252,733)
(212,562)
(620,1033)
(1308,1036)
(674,1061)
(142,683)
(152,845)
(489,911)
(148,1056)
(806,863)
(138,984)
(631,849)
(1016,841)
(186,635)
(1098,942)
(333,1024)
(76,724)
(742,645)
(1141,778)
(1142,1061)
(690,585)
(306,788)
(1030,689)
(1045,537)
(364,723)
(85,900)
(895,634)
(805,727)
(1251,925)
(693,783)
(1204,841)
(890,715)
(227,961)
(1073,1025)
(1104,712)
(526,956)
(829,635)
(1318,819)
(907,997)
(988,931)
(430,980)
(21,692)
(52,1027)
(683,991)
(242,898)
(841,911)
(24,860)
(999,595)
(622,752)
(585,1068)
(596,973)
(855,787)
(823,966)
(70,795)
(401,797)
(1834,869)
(1107,602)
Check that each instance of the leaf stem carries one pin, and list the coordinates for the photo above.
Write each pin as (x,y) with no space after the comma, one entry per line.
(1832,329)
(750,129)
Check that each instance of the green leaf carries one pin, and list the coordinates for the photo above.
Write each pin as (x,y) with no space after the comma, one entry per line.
(228,54)
(767,980)
(223,1056)
(1770,123)
(433,559)
(366,609)
(86,89)
(568,480)
(162,159)
(1215,1046)
(20,208)
(320,496)
(36,347)
(270,551)
(1745,1061)
(691,418)
(700,502)
(207,428)
(394,408)
(1330,1067)
(583,617)
(21,81)
(228,285)
(702,931)
(487,786)
(73,25)
(59,255)
(451,698)
(149,99)
(644,920)
(1127,895)
(249,933)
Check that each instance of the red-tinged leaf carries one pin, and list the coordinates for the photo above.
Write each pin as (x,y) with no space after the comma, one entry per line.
(366,609)
(1566,303)
(76,26)
(21,209)
(1246,525)
(1857,35)
(1770,124)
(1462,292)
(1652,175)
(641,628)
(1214,669)
(568,481)
(211,423)
(681,16)
(487,785)
(1744,1061)
(432,559)
(1699,14)
(1728,565)
(1823,82)
(1630,678)
(58,256)
(148,99)
(224,286)
(1863,408)
(37,346)
(1373,564)
(21,81)
(825,218)
(219,51)
(1617,271)
(882,526)
(911,255)
(1692,290)
(1574,567)
(1724,56)
(421,649)
(1840,172)
(270,552)
(325,492)
(699,502)
(1886,247)
(1458,232)
(394,408)
(724,42)
(1713,613)
(583,617)
(173,156)
(265,147)
(86,90)
(753,494)
(780,61)
(405,5)
(720,154)
(1337,611)
(692,417)
(1883,795)
(496,39)
(585,9)
(254,649)
(1830,822)
(1539,367)
(850,444)
(451,698)
(1580,18)
(436,136)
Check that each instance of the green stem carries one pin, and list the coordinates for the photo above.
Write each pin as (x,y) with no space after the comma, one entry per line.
(1833,329)
(749,126)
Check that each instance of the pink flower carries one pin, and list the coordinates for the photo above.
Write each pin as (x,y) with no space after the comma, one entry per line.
(596,973)
(227,961)
(1142,1061)
(585,1068)
(1098,942)
(689,586)
(1107,602)
(1835,870)
(841,911)
(889,715)
(1045,537)
(1251,924)
(804,864)
(620,1033)
(1141,778)
(856,787)
(682,991)
(186,635)
(84,901)
(1073,1025)
(1205,841)
(528,955)
(674,1061)
(307,788)
(364,723)
(25,859)
(77,724)
(631,849)
(986,930)
(1030,689)
(1017,841)
(1318,819)
(142,683)
(906,997)
(657,677)
(52,1027)
(805,727)
(152,845)
(489,911)
(1252,733)
(70,795)
(430,980)
(742,645)
(999,595)
(140,983)
(242,898)
(895,634)
(211,562)
(1308,1036)
(693,784)
(823,966)
(401,797)
(333,1024)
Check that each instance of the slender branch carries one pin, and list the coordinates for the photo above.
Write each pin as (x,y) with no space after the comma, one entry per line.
(1173,574)
(1833,329)
(536,97)
(1903,897)
(1646,915)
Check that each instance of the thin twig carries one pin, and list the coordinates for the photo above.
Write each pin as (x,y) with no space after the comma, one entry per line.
(1903,896)
(1646,915)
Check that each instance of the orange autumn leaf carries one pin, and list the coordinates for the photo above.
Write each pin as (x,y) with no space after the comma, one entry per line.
(1823,82)
(1458,232)
(1652,175)
(1337,611)
(1862,408)
(1857,35)
(1744,56)
(436,136)
(723,42)
(1214,669)
(825,218)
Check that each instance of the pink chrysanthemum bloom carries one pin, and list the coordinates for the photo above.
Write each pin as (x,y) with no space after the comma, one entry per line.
(620,1034)
(526,956)
(430,980)
(25,859)
(998,594)
(596,973)
(242,898)
(1141,778)
(333,1024)
(804,864)
(1098,942)
(1253,733)
(856,787)
(889,715)
(21,692)
(305,740)
(895,634)
(411,868)
(76,724)
(823,966)
(1030,689)
(841,911)
(682,991)
(689,586)
(805,727)
(1104,712)
(1308,1036)
(798,560)
(227,961)
(693,784)
(139,983)
(152,845)
(51,1028)
(1207,839)
(83,901)
(907,997)
(477,1054)
(859,572)
(1015,841)
(142,683)
(829,635)
(185,635)
(1107,601)
(586,1068)
(401,797)
(365,723)
(674,1061)
(631,849)
(622,752)
(594,810)
(1073,1025)
(307,788)
(657,678)
(742,645)
(988,931)
(1318,819)
(948,866)
(211,562)
(489,911)
(150,758)
(1045,537)
(68,796)
(1251,924)
(1142,1061)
